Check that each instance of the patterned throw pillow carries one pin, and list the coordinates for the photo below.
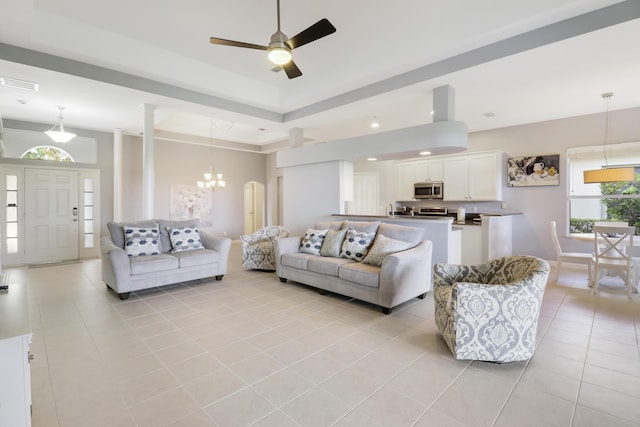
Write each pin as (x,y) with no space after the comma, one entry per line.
(312,241)
(184,239)
(356,244)
(140,241)
(382,247)
(333,243)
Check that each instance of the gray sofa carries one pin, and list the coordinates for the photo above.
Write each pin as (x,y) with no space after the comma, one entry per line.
(125,274)
(400,277)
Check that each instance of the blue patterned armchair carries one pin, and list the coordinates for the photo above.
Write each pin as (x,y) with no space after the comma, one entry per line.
(257,248)
(490,311)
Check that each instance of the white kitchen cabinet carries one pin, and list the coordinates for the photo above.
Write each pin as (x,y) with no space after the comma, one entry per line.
(15,374)
(411,171)
(435,169)
(471,244)
(491,240)
(473,177)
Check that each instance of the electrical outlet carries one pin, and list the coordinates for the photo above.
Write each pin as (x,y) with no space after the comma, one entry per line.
(474,209)
(503,206)
(224,233)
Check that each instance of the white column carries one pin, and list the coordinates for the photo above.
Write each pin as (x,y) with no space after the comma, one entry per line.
(296,138)
(148,172)
(444,104)
(117,174)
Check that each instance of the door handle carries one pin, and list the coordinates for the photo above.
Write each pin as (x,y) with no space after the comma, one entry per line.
(75,214)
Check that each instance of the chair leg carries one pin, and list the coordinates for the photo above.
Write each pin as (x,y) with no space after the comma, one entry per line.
(559,266)
(596,279)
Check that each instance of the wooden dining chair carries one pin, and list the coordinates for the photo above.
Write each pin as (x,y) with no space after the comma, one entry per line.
(570,257)
(613,250)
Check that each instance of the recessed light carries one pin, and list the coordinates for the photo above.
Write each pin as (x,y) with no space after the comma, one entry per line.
(425,153)
(375,124)
(372,159)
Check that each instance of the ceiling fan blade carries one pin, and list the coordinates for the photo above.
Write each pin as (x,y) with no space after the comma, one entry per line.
(318,30)
(292,70)
(234,43)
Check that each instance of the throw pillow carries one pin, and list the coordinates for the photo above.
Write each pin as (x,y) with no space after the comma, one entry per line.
(140,241)
(184,239)
(312,241)
(384,246)
(333,243)
(356,244)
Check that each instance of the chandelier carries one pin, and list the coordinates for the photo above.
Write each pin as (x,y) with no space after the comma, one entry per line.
(212,180)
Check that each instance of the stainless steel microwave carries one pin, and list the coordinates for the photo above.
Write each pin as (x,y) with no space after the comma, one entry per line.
(427,190)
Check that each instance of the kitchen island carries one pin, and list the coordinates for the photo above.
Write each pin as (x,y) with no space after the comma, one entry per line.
(469,243)
(446,246)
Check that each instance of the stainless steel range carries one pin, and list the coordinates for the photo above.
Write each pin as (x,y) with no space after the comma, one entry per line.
(432,211)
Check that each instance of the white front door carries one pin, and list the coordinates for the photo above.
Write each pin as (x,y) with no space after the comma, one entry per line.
(51,215)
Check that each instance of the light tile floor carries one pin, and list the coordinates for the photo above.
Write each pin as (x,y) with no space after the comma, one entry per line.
(251,351)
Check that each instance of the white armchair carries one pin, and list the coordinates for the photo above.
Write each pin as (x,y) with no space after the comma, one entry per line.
(490,311)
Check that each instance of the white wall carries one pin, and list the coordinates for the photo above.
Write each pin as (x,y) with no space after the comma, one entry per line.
(310,192)
(184,164)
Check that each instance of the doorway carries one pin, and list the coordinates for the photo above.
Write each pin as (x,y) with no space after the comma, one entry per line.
(365,194)
(51,215)
(253,206)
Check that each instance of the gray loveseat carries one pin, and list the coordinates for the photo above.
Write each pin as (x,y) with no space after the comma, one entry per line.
(125,274)
(401,275)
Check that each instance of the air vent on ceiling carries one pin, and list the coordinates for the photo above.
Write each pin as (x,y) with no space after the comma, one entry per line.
(489,115)
(17,83)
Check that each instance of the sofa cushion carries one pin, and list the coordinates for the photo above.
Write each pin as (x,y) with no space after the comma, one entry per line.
(413,235)
(312,241)
(165,241)
(197,257)
(332,244)
(356,244)
(296,260)
(152,263)
(331,225)
(362,274)
(117,233)
(141,240)
(328,266)
(184,239)
(382,247)
(363,226)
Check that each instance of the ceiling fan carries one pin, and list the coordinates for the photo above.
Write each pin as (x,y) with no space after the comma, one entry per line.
(280,47)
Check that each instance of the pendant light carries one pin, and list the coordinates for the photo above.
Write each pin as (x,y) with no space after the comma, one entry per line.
(606,173)
(60,135)
(212,180)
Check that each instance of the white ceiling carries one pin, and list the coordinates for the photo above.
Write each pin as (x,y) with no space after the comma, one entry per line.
(384,60)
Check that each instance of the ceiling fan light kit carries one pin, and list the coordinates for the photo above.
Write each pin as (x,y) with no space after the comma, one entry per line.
(279,48)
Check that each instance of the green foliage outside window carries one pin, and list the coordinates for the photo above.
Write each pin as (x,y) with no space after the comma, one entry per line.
(47,153)
(623,209)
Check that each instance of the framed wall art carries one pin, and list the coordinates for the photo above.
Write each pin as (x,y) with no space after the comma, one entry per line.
(533,171)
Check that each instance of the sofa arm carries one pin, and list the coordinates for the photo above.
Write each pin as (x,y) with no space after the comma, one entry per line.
(285,245)
(406,274)
(222,245)
(116,269)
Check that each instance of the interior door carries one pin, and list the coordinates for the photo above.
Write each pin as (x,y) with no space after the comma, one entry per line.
(365,194)
(51,215)
(249,208)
